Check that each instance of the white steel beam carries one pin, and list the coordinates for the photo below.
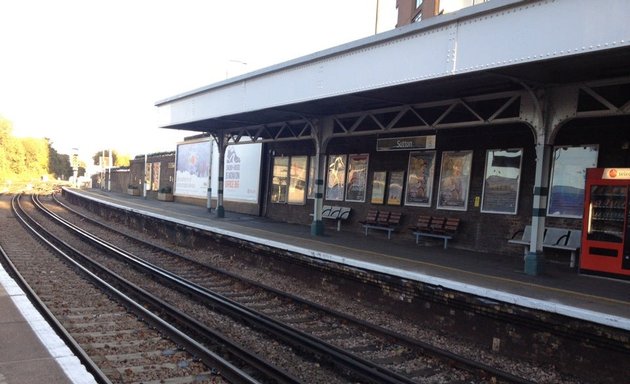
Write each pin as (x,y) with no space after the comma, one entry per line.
(493,35)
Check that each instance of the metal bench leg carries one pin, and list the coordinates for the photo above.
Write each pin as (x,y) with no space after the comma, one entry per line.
(572,262)
(389,235)
(338,225)
(445,243)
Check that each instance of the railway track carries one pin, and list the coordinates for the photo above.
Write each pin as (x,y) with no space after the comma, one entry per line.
(117,338)
(380,351)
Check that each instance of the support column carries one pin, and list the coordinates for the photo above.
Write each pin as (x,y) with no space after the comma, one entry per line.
(534,259)
(317,227)
(222,145)
(209,201)
(321,134)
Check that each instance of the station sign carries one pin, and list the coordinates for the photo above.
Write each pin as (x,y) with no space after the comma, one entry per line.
(406,143)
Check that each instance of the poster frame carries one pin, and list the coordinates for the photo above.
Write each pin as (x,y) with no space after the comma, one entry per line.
(395,187)
(356,177)
(413,171)
(454,180)
(485,191)
(336,170)
(378,194)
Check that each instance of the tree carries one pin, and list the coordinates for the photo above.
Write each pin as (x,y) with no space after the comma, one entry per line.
(36,155)
(58,164)
(118,160)
(5,133)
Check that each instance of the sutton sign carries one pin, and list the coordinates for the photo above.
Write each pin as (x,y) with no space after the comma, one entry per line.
(405,143)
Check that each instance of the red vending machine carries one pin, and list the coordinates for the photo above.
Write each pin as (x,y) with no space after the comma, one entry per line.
(606,231)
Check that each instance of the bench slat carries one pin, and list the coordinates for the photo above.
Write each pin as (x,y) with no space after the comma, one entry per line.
(423,224)
(436,227)
(371,217)
(383,220)
(394,219)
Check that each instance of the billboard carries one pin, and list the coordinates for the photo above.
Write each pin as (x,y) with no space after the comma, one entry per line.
(241,178)
(192,168)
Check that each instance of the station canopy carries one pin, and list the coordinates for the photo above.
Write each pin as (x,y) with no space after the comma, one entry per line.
(495,47)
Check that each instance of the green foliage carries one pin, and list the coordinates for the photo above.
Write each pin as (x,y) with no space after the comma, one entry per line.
(118,160)
(24,159)
(59,164)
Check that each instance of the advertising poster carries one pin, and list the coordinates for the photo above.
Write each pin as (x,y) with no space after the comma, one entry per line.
(378,187)
(454,180)
(357,177)
(501,181)
(147,176)
(241,179)
(420,178)
(336,177)
(568,177)
(395,187)
(192,169)
(155,179)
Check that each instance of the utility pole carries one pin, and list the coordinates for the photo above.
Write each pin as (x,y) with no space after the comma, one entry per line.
(376,18)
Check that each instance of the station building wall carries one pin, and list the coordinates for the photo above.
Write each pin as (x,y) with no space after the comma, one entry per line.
(479,231)
(612,137)
(162,172)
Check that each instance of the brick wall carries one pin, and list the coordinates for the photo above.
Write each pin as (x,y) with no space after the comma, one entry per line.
(479,231)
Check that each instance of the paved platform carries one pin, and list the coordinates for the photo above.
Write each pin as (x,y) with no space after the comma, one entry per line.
(30,351)
(559,289)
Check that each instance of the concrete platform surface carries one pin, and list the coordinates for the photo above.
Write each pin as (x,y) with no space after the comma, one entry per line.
(30,351)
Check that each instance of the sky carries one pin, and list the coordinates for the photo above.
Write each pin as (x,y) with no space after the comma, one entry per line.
(86,73)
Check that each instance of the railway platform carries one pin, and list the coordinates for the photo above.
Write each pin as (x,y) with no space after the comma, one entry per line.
(29,348)
(560,289)
(30,351)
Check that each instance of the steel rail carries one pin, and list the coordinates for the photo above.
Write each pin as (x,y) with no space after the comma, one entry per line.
(208,357)
(167,310)
(456,360)
(365,369)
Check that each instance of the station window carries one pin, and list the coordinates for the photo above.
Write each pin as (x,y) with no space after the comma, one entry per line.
(297,179)
(566,194)
(288,184)
(280,180)
(501,181)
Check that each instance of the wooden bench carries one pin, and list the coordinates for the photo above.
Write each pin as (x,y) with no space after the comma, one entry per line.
(555,238)
(382,220)
(436,227)
(336,213)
